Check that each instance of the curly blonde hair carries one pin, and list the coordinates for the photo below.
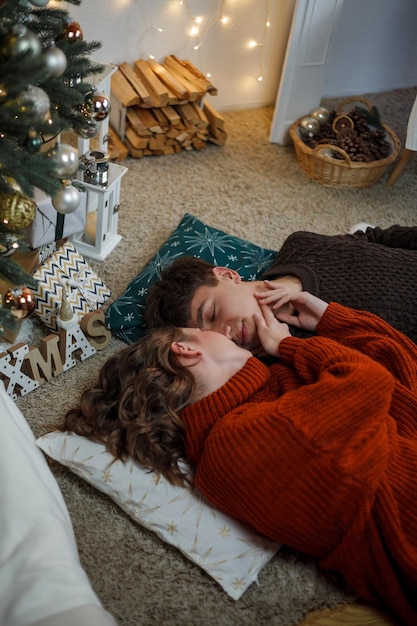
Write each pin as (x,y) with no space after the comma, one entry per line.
(134,407)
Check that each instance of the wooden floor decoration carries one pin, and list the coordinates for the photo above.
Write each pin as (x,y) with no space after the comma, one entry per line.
(355,614)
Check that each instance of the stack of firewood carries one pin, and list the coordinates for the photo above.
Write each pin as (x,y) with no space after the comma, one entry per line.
(158,108)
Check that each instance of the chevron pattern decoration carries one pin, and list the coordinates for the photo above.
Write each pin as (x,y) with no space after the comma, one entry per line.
(67,268)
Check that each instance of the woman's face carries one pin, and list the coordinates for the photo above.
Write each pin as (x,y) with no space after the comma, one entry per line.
(217,346)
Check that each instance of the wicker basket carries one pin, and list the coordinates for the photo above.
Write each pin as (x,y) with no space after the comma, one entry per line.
(319,164)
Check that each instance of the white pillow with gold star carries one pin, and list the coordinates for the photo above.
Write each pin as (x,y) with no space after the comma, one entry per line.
(227,550)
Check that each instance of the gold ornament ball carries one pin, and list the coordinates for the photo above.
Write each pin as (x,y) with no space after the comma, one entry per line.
(20,301)
(16,211)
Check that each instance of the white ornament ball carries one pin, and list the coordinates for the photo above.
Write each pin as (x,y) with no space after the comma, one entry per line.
(55,61)
(64,159)
(67,200)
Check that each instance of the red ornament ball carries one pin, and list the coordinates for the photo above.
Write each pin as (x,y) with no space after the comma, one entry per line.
(73,32)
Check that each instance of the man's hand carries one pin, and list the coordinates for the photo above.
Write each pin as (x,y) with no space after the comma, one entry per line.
(307,309)
(274,295)
(270,331)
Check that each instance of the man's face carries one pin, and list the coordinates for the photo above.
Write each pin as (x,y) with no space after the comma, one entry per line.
(228,309)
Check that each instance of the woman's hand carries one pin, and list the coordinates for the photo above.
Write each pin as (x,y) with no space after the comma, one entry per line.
(305,311)
(270,331)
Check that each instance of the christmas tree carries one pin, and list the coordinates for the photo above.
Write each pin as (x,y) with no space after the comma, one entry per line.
(44,90)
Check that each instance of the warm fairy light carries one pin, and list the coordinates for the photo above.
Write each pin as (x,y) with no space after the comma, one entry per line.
(199,25)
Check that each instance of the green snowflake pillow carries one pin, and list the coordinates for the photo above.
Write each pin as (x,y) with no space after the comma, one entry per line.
(125,317)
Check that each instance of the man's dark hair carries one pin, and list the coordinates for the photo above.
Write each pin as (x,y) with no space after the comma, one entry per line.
(169,299)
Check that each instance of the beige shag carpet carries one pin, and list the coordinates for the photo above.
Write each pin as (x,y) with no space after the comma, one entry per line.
(255,190)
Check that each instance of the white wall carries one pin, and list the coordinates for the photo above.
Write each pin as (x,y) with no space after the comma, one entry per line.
(375,47)
(128,30)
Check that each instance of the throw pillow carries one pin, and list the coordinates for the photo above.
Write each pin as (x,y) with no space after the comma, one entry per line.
(227,550)
(192,237)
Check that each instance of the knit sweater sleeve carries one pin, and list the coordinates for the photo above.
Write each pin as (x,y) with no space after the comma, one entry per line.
(297,468)
(373,336)
(393,237)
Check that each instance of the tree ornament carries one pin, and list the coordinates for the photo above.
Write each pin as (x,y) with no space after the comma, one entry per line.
(9,244)
(66,200)
(20,40)
(55,61)
(33,141)
(39,3)
(86,127)
(320,114)
(34,101)
(96,106)
(20,301)
(73,32)
(16,211)
(74,79)
(64,160)
(308,126)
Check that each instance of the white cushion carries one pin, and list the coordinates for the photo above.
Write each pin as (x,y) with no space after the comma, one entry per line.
(40,571)
(228,551)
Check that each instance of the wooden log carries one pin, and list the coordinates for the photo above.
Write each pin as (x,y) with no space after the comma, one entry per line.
(117,149)
(123,90)
(216,120)
(191,73)
(219,139)
(157,90)
(136,122)
(202,117)
(134,152)
(137,84)
(161,118)
(169,80)
(188,113)
(138,142)
(148,119)
(193,90)
(171,115)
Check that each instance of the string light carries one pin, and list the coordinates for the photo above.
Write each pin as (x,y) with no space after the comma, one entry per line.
(199,25)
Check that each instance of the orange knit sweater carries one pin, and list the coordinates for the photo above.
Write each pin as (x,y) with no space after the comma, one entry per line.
(319,452)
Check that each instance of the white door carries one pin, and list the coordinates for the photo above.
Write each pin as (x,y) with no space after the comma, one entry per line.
(303,75)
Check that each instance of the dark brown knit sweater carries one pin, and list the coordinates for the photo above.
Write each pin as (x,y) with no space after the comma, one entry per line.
(373,271)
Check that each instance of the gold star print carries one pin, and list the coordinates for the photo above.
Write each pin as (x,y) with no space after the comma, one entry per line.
(172,528)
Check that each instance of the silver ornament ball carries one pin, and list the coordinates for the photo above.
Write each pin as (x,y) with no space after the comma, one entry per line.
(34,101)
(20,40)
(97,106)
(39,3)
(86,128)
(66,200)
(308,126)
(320,114)
(55,61)
(64,159)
